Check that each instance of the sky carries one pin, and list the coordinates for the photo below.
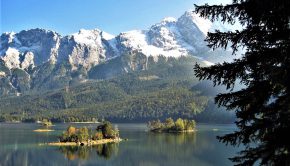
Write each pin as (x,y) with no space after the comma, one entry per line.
(68,16)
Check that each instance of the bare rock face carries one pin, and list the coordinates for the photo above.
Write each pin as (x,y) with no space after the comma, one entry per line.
(38,46)
(39,42)
(43,59)
(88,48)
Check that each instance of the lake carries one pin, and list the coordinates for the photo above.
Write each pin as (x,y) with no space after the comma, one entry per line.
(20,147)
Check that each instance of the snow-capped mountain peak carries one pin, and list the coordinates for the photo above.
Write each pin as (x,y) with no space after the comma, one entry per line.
(170,38)
(107,36)
(39,58)
(191,18)
(88,37)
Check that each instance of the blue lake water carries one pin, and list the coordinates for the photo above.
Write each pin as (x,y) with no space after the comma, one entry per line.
(19,145)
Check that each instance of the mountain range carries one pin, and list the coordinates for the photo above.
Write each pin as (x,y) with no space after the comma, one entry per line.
(39,61)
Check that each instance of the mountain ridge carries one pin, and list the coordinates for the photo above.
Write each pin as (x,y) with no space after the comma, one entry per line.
(40,58)
(136,75)
(90,47)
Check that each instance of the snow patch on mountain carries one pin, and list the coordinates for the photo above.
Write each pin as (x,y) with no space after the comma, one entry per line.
(14,59)
(203,24)
(11,58)
(170,38)
(107,36)
(54,50)
(138,41)
(88,37)
(28,60)
(11,37)
(2,74)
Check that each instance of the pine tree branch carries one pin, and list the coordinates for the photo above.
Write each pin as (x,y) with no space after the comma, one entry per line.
(227,13)
(262,107)
(223,74)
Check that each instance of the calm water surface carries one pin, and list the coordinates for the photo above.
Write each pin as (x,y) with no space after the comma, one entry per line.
(19,146)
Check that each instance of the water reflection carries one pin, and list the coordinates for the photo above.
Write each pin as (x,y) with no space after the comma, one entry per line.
(156,148)
(19,146)
(105,151)
(173,138)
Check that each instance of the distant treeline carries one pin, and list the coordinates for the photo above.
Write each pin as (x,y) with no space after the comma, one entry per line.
(167,89)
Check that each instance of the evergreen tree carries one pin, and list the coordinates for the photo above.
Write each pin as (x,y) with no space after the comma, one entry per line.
(263,106)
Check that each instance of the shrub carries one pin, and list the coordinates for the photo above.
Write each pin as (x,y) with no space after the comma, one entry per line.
(179,124)
(71,130)
(155,125)
(169,123)
(98,136)
(108,130)
(83,134)
(190,125)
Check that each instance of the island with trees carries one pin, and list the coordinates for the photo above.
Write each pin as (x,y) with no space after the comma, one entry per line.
(104,133)
(169,126)
(46,124)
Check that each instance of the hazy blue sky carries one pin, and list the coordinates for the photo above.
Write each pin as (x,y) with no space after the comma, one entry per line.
(68,16)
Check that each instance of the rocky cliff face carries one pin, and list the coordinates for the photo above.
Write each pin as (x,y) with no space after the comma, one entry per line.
(37,46)
(43,59)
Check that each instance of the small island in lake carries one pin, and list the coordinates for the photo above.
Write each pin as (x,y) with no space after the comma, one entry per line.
(46,124)
(180,125)
(43,130)
(105,133)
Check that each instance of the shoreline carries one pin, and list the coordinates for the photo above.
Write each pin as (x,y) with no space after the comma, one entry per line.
(43,130)
(85,143)
(171,131)
(183,131)
(83,122)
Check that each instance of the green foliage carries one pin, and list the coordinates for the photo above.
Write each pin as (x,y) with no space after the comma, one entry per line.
(169,123)
(108,99)
(106,150)
(155,125)
(180,125)
(75,152)
(129,97)
(108,131)
(262,106)
(46,122)
(83,134)
(73,134)
(104,130)
(189,124)
(98,136)
(83,152)
(71,130)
